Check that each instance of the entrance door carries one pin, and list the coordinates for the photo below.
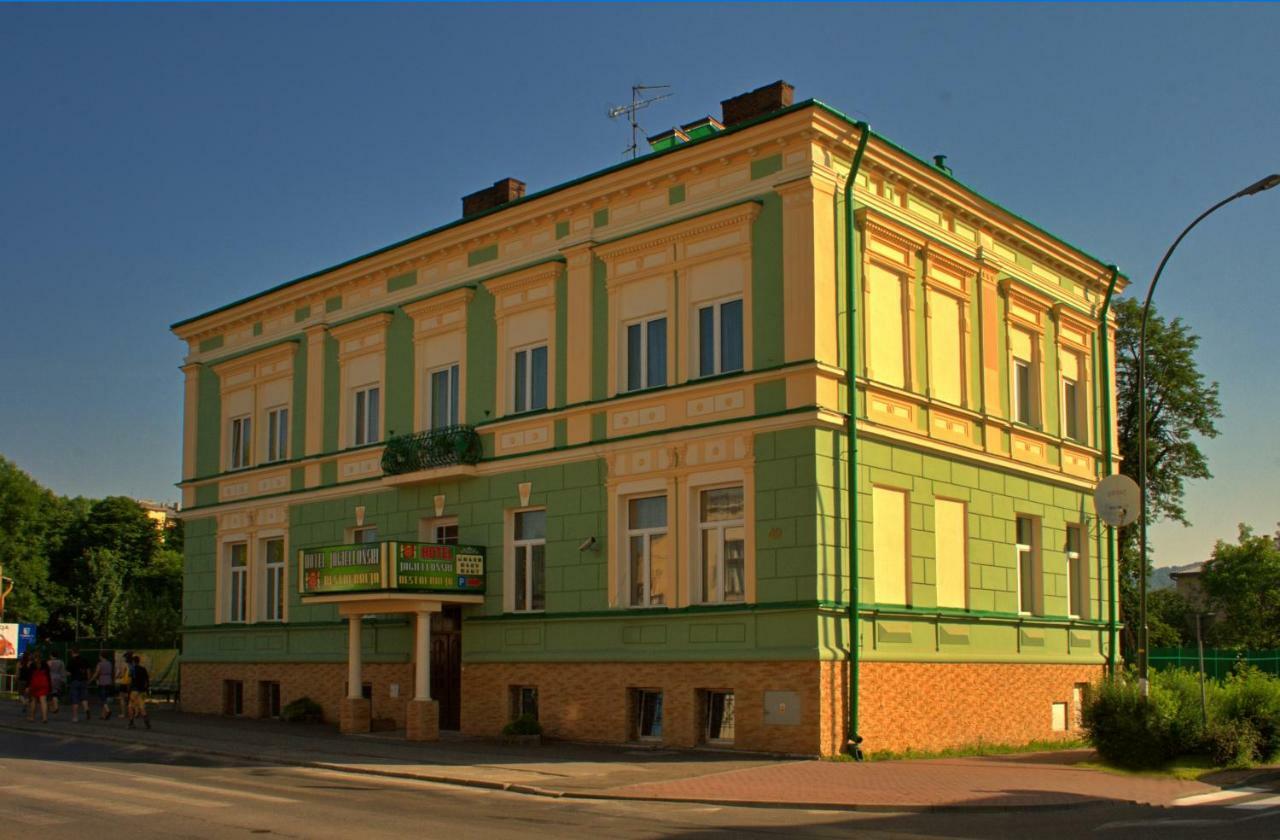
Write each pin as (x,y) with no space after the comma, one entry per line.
(446,665)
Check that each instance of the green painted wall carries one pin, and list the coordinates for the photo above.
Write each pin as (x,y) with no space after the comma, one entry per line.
(332,395)
(766,284)
(208,423)
(482,348)
(562,339)
(599,329)
(298,422)
(400,388)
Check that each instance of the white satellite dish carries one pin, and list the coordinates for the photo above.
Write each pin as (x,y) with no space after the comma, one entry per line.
(1118,500)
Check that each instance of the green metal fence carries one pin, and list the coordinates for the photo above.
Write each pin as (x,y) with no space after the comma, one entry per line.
(1217,663)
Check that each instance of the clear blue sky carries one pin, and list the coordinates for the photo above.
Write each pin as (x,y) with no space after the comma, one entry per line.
(158,161)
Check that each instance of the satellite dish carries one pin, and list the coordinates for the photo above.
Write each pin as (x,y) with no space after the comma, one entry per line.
(1118,500)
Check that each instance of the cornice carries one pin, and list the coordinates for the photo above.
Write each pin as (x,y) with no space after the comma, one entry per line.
(439,303)
(252,359)
(523,279)
(739,214)
(369,323)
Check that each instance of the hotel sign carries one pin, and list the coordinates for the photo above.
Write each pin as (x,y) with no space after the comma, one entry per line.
(391,566)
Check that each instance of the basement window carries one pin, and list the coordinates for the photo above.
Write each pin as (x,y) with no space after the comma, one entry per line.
(524,701)
(647,710)
(718,717)
(269,699)
(232,697)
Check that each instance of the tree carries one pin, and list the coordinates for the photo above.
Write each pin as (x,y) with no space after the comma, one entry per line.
(1170,619)
(1242,582)
(1181,407)
(104,596)
(26,515)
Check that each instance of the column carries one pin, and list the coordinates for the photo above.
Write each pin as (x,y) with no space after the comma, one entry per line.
(422,714)
(356,711)
(314,438)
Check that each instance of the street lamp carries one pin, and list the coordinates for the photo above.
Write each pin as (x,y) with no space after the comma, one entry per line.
(1257,187)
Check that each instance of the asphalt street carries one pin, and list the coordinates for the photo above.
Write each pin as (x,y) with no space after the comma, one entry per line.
(58,786)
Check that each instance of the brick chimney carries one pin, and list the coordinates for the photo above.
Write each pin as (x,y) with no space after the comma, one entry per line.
(502,192)
(756,103)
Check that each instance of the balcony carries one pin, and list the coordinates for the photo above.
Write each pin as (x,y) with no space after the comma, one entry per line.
(432,455)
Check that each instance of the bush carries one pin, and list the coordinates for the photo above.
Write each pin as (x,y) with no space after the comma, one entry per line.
(1231,743)
(302,709)
(523,725)
(1252,698)
(1128,731)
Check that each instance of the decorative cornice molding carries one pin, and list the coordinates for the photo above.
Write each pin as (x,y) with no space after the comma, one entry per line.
(739,214)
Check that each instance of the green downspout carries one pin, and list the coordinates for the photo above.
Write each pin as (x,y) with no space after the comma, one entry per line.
(851,417)
(1104,338)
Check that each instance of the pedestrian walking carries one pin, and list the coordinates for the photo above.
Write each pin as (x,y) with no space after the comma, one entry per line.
(24,677)
(57,681)
(38,689)
(105,680)
(124,676)
(139,684)
(78,685)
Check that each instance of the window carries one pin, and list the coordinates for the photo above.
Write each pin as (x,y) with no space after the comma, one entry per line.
(1070,408)
(720,338)
(238,582)
(886,333)
(723,544)
(531,379)
(232,697)
(273,585)
(889,545)
(1075,403)
(269,699)
(445,533)
(241,442)
(946,348)
(277,434)
(951,559)
(365,535)
(367,426)
(718,712)
(647,354)
(530,559)
(524,701)
(1077,573)
(444,397)
(647,711)
(1027,565)
(649,550)
(1025,395)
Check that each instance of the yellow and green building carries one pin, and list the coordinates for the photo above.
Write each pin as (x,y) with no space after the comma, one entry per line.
(584,454)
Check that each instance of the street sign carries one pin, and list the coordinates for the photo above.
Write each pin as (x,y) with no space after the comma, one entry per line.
(1118,500)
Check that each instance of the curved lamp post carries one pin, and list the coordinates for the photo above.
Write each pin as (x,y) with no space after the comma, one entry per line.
(1265,184)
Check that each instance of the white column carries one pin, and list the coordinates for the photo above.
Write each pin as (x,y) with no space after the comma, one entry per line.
(354,678)
(422,657)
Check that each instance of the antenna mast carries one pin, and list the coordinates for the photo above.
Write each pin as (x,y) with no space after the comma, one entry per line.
(637,102)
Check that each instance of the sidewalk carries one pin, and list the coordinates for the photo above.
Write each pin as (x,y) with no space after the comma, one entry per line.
(1039,780)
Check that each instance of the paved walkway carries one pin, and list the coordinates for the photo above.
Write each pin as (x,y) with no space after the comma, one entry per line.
(1049,780)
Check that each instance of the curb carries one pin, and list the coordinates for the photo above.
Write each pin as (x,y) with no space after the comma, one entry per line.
(550,793)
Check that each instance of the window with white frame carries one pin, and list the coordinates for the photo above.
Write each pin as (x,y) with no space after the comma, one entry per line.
(649,551)
(1077,573)
(241,442)
(1028,564)
(444,532)
(367,534)
(529,379)
(367,426)
(720,337)
(722,544)
(273,590)
(646,354)
(443,389)
(1023,387)
(278,434)
(530,560)
(238,582)
(1073,403)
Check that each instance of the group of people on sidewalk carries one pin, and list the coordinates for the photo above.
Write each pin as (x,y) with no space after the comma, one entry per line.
(43,682)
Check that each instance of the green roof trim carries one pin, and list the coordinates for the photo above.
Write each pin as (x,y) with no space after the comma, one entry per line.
(618,167)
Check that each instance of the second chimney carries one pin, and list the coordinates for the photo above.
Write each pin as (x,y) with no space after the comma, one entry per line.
(757,103)
(502,192)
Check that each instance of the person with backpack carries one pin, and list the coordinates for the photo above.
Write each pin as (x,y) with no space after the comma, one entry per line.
(104,678)
(139,685)
(78,685)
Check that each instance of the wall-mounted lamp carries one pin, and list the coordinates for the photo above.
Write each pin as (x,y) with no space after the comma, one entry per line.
(589,544)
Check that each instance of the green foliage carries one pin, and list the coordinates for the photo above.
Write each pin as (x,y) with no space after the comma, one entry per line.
(1181,408)
(1170,619)
(28,513)
(1231,743)
(1136,733)
(104,596)
(302,709)
(1252,698)
(1242,583)
(523,725)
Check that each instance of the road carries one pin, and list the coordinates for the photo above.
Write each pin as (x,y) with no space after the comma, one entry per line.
(58,786)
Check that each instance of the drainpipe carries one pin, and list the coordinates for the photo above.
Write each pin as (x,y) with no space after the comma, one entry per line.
(851,407)
(1104,337)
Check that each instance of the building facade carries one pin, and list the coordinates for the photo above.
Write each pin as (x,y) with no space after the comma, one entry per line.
(583,454)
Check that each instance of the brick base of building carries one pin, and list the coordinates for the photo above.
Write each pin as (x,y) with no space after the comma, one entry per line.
(204,686)
(353,715)
(936,705)
(422,720)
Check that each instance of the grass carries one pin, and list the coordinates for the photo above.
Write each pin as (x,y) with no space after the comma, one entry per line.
(979,748)
(1186,767)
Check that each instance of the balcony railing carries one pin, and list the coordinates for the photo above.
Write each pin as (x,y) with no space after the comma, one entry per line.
(442,447)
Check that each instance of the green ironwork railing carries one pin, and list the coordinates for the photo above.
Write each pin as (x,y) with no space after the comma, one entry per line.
(442,447)
(1217,663)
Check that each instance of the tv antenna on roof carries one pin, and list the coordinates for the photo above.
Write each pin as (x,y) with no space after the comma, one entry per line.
(637,102)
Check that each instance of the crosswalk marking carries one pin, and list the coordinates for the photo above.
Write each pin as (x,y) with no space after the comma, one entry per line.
(138,791)
(1257,804)
(1217,796)
(120,809)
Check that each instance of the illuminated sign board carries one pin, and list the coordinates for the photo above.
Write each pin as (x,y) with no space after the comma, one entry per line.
(391,565)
